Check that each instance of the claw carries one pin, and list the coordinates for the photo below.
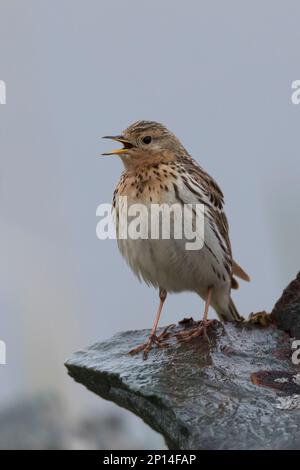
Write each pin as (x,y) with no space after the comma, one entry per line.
(158,341)
(199,330)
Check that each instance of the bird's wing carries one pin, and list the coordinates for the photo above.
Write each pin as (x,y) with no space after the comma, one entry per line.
(215,199)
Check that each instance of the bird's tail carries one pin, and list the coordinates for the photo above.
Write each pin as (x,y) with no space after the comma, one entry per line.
(231,313)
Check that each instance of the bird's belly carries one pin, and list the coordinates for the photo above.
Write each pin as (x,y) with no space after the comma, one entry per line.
(168,265)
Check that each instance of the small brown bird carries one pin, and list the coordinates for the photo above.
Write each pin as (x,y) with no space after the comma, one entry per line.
(158,170)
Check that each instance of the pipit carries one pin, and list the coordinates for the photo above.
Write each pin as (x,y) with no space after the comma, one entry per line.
(159,170)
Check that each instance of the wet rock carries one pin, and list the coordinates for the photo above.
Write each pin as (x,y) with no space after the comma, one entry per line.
(239,392)
(199,396)
(286,313)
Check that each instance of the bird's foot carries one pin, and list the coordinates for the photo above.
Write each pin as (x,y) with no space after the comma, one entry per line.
(153,340)
(199,330)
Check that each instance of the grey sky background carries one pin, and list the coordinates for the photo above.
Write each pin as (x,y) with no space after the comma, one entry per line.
(219,75)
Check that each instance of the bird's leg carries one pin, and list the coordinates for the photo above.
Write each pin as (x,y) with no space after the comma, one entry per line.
(201,328)
(153,338)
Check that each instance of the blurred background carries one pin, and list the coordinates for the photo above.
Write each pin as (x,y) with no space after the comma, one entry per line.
(219,75)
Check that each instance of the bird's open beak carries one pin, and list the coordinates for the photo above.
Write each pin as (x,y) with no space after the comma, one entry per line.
(118,138)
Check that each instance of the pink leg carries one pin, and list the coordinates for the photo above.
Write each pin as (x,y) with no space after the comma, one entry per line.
(201,328)
(153,339)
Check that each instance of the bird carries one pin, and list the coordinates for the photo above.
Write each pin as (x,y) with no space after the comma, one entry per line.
(159,170)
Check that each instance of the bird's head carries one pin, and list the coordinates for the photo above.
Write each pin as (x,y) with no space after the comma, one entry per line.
(146,142)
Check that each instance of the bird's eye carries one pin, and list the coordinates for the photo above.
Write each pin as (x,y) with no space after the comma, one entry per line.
(147,139)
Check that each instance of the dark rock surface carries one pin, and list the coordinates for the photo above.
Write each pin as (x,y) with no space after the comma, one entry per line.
(286,313)
(240,392)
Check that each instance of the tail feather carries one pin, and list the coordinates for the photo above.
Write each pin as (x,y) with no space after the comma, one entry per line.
(239,272)
(234,283)
(230,314)
(233,312)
